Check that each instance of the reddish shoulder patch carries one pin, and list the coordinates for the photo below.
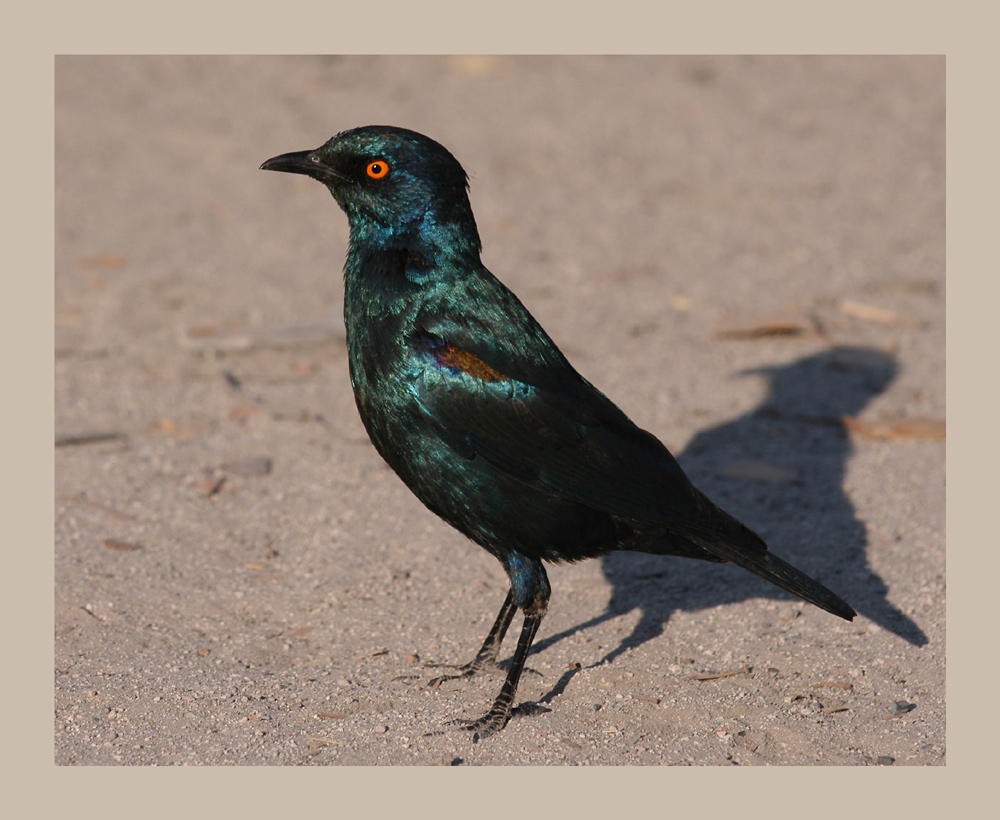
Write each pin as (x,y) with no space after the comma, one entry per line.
(458,359)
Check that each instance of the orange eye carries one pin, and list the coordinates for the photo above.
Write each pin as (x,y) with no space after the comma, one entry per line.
(377,169)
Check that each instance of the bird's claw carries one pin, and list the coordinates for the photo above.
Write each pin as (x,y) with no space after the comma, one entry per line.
(465,671)
(494,720)
(489,724)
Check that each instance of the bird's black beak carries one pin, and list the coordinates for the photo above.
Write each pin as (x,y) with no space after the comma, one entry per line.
(309,163)
(297,162)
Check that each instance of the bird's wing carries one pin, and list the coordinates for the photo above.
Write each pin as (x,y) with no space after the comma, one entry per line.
(516,403)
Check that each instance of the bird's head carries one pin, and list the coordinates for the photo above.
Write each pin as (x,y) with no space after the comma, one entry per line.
(391,182)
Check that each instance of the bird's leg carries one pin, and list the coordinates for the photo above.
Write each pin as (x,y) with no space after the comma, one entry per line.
(495,719)
(529,591)
(487,654)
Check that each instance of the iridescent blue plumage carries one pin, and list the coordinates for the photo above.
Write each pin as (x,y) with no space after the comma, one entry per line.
(476,409)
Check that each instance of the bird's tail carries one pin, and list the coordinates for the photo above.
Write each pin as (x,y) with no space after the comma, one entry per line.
(742,546)
(779,572)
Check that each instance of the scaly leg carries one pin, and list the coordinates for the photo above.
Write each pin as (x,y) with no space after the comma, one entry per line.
(495,719)
(487,654)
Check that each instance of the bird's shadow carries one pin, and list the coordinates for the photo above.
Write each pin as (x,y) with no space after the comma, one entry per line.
(780,469)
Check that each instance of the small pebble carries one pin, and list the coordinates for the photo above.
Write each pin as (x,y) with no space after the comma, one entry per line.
(885,760)
(901,707)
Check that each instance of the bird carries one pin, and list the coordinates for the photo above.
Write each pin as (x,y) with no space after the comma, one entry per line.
(476,409)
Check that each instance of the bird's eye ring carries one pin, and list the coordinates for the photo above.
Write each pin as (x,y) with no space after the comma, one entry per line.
(377,169)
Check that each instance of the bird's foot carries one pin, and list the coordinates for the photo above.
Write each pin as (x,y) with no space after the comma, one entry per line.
(464,671)
(494,720)
(489,724)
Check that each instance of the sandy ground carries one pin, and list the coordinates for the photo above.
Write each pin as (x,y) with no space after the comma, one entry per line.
(741,252)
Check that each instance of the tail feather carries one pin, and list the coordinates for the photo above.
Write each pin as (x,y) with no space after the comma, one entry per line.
(753,555)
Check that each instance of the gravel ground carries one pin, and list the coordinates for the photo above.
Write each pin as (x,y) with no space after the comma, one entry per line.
(741,252)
